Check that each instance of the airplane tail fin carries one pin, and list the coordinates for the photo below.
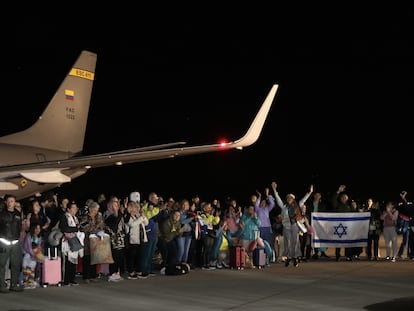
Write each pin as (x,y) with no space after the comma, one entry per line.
(62,125)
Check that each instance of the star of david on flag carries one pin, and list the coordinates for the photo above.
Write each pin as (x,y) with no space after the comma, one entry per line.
(340,229)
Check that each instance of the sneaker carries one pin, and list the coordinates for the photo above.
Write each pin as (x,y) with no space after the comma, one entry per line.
(143,276)
(393,259)
(112,278)
(74,283)
(152,273)
(295,262)
(132,276)
(387,258)
(117,277)
(162,271)
(323,254)
(219,266)
(225,265)
(287,261)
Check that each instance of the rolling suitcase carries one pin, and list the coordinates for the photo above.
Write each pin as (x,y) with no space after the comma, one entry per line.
(259,258)
(237,257)
(52,268)
(79,266)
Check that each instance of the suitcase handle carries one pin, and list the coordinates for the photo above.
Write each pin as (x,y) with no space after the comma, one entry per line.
(49,254)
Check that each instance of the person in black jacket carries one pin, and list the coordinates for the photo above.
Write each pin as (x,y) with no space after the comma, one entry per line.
(341,204)
(10,245)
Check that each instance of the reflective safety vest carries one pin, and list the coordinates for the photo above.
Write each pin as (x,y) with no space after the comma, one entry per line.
(7,242)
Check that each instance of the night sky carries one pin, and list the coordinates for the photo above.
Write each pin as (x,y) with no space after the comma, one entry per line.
(341,115)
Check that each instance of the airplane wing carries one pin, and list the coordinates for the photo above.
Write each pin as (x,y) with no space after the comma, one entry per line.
(26,179)
(55,171)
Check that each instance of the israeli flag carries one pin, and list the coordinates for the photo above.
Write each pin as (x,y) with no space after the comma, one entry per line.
(340,229)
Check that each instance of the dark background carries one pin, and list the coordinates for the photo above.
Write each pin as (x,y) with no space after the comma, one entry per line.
(341,115)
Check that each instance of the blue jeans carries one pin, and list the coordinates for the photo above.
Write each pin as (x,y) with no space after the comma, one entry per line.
(183,243)
(148,250)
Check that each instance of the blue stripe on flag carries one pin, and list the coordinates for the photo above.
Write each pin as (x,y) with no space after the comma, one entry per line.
(340,218)
(340,241)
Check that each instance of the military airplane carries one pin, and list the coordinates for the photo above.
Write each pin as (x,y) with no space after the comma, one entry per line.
(49,152)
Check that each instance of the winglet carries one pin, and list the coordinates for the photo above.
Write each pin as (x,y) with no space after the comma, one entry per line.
(256,127)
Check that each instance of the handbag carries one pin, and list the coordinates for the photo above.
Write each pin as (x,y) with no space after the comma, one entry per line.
(74,244)
(311,230)
(100,249)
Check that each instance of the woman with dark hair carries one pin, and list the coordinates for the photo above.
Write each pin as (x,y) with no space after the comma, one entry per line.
(32,250)
(69,225)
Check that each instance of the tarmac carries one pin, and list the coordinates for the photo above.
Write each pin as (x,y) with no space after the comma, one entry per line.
(322,284)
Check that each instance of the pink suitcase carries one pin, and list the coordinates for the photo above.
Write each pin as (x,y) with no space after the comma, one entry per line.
(52,268)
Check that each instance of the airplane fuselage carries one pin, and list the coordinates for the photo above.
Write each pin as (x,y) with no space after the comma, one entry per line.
(18,154)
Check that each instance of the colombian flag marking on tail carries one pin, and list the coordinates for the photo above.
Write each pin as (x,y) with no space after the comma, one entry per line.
(69,95)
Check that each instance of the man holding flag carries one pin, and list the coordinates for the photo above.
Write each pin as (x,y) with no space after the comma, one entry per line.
(342,228)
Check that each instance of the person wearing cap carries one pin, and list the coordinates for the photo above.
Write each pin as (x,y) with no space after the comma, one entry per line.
(291,213)
(135,197)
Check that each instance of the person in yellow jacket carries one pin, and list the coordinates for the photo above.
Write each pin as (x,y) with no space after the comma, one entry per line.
(210,219)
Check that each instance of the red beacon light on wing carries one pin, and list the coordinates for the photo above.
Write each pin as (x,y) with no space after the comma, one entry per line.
(223,143)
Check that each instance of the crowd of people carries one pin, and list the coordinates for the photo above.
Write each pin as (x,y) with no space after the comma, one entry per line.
(172,237)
